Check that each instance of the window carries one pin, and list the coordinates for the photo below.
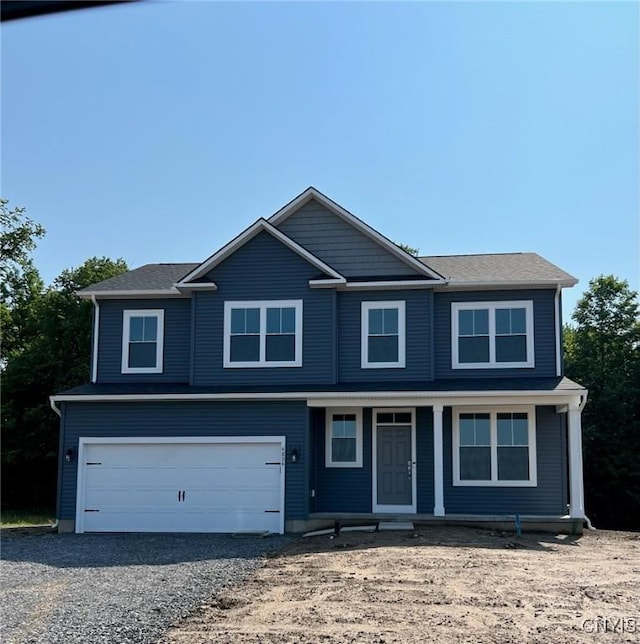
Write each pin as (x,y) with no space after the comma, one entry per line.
(343,438)
(263,334)
(494,447)
(142,341)
(383,335)
(492,335)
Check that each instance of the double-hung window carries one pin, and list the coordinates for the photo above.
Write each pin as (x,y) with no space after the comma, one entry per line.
(263,334)
(142,341)
(343,438)
(492,335)
(494,447)
(383,335)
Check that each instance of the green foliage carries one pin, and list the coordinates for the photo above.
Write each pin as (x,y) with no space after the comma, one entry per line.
(409,249)
(18,236)
(602,352)
(47,349)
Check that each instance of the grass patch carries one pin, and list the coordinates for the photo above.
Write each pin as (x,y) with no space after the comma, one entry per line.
(25,518)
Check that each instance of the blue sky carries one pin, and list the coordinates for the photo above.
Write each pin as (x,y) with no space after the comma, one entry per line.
(157,131)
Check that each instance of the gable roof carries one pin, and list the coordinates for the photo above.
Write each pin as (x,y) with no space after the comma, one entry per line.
(312,193)
(498,268)
(262,225)
(147,280)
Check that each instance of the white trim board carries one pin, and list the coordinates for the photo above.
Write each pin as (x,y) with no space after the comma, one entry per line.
(262,225)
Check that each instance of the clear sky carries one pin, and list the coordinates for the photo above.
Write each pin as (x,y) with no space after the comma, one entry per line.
(157,131)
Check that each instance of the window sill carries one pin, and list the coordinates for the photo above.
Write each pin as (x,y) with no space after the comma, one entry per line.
(495,484)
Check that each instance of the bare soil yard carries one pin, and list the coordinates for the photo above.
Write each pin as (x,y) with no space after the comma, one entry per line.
(433,585)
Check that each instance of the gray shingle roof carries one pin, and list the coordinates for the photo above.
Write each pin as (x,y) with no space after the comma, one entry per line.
(146,278)
(499,267)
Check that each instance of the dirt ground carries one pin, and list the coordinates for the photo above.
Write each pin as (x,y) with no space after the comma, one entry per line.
(433,585)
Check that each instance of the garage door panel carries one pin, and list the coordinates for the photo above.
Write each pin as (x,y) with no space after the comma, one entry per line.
(173,487)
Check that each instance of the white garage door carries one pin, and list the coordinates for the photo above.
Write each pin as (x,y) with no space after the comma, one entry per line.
(181,485)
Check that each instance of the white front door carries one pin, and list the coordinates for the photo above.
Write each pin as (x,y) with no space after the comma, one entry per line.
(181,485)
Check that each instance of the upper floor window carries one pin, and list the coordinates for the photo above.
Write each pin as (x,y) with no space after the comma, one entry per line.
(383,335)
(343,438)
(494,447)
(263,334)
(142,341)
(492,334)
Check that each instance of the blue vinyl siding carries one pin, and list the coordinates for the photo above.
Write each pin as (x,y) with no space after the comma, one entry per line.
(418,336)
(189,419)
(264,269)
(342,489)
(549,497)
(339,244)
(544,333)
(424,459)
(177,340)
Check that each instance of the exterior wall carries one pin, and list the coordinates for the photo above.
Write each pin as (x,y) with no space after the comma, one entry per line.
(189,419)
(544,332)
(340,245)
(549,497)
(177,340)
(350,489)
(265,269)
(418,336)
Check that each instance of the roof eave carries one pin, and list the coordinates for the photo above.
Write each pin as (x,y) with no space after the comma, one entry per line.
(129,294)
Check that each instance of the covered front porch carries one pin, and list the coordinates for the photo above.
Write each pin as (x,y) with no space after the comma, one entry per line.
(472,457)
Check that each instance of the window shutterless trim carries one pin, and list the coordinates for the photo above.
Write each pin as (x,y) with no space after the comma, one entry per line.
(527,305)
(126,330)
(399,305)
(493,412)
(263,306)
(328,436)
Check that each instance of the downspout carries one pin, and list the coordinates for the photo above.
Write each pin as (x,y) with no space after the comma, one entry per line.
(556,300)
(96,327)
(57,410)
(583,402)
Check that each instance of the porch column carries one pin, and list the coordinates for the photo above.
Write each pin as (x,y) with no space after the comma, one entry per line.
(438,477)
(576,488)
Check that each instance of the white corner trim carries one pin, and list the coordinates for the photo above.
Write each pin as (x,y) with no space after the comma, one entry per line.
(248,234)
(493,411)
(336,209)
(365,307)
(556,302)
(96,332)
(127,314)
(438,462)
(328,453)
(378,507)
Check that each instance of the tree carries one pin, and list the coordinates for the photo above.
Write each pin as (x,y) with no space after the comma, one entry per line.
(18,236)
(602,352)
(53,355)
(408,249)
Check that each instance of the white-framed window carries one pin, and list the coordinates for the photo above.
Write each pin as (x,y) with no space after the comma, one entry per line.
(494,446)
(263,334)
(382,335)
(142,341)
(492,335)
(343,437)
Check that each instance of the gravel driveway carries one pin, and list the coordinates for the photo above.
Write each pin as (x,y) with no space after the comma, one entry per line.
(115,588)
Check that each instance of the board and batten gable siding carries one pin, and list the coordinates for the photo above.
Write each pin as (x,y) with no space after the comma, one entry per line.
(163,419)
(177,340)
(418,354)
(264,269)
(549,497)
(543,323)
(337,243)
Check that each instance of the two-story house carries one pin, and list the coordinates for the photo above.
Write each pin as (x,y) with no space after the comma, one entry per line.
(312,370)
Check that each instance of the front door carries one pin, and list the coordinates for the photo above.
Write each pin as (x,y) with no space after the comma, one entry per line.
(394,461)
